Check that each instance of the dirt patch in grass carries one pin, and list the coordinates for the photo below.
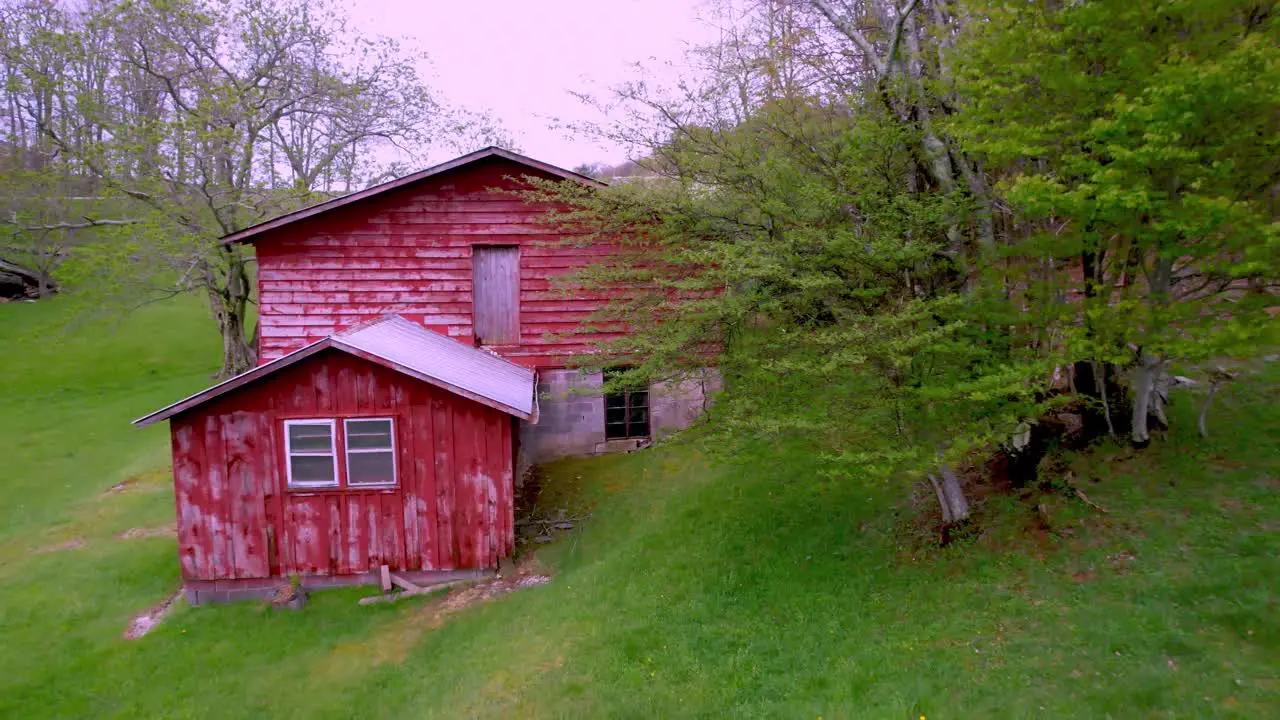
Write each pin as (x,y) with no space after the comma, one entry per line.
(146,482)
(1083,576)
(486,591)
(72,544)
(146,621)
(120,487)
(528,573)
(162,531)
(394,642)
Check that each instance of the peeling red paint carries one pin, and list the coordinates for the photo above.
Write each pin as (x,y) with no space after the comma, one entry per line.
(409,251)
(450,510)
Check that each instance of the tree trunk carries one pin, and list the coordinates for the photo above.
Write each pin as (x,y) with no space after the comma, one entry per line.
(230,304)
(1147,400)
(237,356)
(1100,376)
(955,494)
(1203,420)
(1152,390)
(985,215)
(951,499)
(45,284)
(942,498)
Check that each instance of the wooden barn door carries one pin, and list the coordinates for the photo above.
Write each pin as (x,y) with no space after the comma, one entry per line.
(496,288)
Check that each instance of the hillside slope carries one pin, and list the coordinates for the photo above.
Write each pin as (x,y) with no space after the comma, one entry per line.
(701,585)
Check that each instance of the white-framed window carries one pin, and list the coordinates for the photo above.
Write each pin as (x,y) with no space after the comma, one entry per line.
(371,451)
(311,453)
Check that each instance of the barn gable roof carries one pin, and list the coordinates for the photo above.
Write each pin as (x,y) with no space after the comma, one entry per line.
(252,233)
(409,349)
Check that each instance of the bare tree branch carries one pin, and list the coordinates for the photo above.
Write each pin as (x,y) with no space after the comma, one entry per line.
(86,223)
(883,66)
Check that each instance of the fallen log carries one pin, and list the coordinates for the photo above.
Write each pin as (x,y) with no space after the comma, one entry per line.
(18,282)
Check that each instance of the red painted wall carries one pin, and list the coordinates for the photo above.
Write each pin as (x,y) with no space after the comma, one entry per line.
(409,251)
(452,509)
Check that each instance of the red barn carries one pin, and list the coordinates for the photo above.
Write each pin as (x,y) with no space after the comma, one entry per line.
(413,357)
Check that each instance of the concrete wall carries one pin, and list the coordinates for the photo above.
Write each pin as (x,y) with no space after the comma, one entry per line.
(571,414)
(570,417)
(676,405)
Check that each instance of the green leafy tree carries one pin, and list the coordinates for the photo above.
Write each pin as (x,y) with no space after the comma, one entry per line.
(1139,138)
(203,117)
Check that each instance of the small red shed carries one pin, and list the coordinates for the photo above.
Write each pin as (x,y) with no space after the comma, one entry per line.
(386,444)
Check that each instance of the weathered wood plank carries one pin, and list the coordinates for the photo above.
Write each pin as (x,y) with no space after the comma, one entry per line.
(443,433)
(188,478)
(507,485)
(495,480)
(497,294)
(247,522)
(410,250)
(217,510)
(391,527)
(364,297)
(424,454)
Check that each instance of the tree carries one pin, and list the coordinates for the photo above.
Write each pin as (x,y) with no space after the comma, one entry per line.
(207,116)
(788,245)
(913,80)
(813,202)
(1142,137)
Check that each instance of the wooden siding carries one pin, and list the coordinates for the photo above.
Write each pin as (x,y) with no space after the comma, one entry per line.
(496,277)
(452,507)
(410,251)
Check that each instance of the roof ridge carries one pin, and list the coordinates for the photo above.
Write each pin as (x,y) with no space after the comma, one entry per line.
(370,323)
(249,233)
(427,355)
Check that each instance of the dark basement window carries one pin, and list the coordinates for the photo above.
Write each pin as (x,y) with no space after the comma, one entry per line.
(626,413)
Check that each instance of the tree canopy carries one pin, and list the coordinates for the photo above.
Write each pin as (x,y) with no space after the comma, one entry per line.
(945,218)
(196,118)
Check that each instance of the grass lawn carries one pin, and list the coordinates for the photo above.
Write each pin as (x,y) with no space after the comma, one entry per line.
(701,586)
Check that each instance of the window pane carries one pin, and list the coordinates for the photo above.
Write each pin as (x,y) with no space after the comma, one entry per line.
(615,415)
(639,418)
(376,468)
(311,469)
(369,434)
(615,401)
(311,437)
(615,430)
(639,398)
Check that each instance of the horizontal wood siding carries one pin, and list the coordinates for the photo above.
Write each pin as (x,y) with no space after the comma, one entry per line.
(236,519)
(411,251)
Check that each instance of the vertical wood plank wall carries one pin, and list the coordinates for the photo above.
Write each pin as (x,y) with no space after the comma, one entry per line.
(410,251)
(496,278)
(452,509)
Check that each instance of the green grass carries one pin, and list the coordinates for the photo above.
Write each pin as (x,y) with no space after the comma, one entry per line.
(701,586)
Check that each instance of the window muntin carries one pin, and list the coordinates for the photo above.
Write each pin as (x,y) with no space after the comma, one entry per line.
(312,457)
(371,451)
(368,449)
(626,414)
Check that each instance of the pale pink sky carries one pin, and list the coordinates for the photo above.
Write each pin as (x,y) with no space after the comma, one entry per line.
(521,59)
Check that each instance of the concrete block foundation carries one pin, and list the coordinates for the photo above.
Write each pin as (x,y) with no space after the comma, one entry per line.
(200,592)
(571,414)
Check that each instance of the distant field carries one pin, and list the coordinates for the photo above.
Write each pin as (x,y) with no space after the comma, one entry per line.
(700,587)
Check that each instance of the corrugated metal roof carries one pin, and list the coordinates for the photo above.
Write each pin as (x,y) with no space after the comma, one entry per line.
(408,348)
(476,371)
(251,233)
